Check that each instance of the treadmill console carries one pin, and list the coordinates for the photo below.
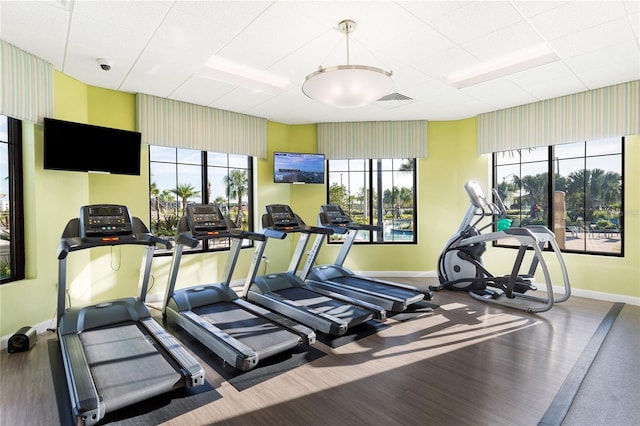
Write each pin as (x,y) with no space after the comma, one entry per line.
(205,219)
(280,216)
(105,222)
(333,215)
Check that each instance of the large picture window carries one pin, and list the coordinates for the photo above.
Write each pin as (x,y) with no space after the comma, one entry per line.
(12,248)
(179,177)
(575,189)
(376,192)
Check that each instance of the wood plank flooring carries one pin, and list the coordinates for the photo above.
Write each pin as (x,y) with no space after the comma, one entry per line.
(466,363)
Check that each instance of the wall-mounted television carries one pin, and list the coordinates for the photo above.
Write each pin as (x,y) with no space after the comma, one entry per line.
(82,147)
(297,167)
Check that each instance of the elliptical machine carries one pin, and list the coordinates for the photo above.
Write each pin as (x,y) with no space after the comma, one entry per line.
(460,265)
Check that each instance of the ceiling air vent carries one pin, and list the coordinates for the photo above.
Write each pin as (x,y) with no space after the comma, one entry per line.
(393,100)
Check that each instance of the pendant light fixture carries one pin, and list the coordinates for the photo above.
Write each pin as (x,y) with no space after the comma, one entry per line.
(347,86)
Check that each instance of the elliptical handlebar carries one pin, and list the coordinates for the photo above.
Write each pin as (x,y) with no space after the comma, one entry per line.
(498,202)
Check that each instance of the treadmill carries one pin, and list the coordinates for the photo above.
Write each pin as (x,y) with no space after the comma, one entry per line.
(114,354)
(237,331)
(394,297)
(286,293)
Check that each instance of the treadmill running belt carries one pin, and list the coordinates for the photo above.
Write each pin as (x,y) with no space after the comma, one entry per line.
(364,284)
(127,366)
(317,302)
(264,337)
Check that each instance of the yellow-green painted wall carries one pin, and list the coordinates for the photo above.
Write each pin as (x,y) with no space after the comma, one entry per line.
(53,197)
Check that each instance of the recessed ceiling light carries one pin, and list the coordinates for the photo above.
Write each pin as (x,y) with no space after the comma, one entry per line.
(522,60)
(226,71)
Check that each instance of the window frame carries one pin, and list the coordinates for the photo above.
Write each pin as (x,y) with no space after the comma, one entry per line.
(206,246)
(374,180)
(17,259)
(551,186)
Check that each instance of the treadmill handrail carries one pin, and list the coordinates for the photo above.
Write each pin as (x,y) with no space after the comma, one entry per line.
(364,227)
(71,241)
(338,229)
(274,233)
(305,229)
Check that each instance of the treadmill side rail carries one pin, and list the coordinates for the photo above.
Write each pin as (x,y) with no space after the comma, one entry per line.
(379,313)
(322,322)
(307,334)
(192,371)
(231,350)
(87,405)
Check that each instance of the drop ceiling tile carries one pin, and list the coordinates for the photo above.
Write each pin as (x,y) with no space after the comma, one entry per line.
(432,11)
(548,81)
(462,24)
(594,38)
(573,16)
(535,7)
(420,44)
(274,35)
(499,93)
(441,65)
(605,57)
(141,17)
(505,41)
(201,91)
(22,23)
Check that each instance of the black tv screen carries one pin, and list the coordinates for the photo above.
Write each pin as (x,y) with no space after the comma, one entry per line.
(86,148)
(296,167)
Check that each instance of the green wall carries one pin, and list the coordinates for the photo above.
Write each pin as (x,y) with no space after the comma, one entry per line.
(53,197)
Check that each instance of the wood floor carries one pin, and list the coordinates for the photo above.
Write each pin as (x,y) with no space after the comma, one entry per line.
(466,363)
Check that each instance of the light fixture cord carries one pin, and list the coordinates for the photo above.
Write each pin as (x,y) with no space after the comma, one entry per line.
(347,37)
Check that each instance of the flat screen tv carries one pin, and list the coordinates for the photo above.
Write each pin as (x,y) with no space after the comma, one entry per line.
(297,167)
(86,148)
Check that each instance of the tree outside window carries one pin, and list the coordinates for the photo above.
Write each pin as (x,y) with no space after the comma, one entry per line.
(574,189)
(180,177)
(378,192)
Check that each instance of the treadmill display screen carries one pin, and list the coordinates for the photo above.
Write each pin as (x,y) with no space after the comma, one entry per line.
(105,222)
(205,219)
(335,214)
(281,216)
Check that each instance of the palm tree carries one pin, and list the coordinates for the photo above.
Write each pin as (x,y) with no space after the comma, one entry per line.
(406,166)
(536,189)
(166,197)
(406,197)
(611,188)
(185,191)
(390,197)
(221,202)
(236,182)
(155,193)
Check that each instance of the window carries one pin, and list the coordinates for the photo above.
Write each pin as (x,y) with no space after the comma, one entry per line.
(376,192)
(179,177)
(12,251)
(582,204)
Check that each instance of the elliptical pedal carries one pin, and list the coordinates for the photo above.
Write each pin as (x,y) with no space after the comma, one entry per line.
(488,293)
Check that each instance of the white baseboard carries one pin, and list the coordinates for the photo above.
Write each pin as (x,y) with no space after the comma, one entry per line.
(589,294)
(599,295)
